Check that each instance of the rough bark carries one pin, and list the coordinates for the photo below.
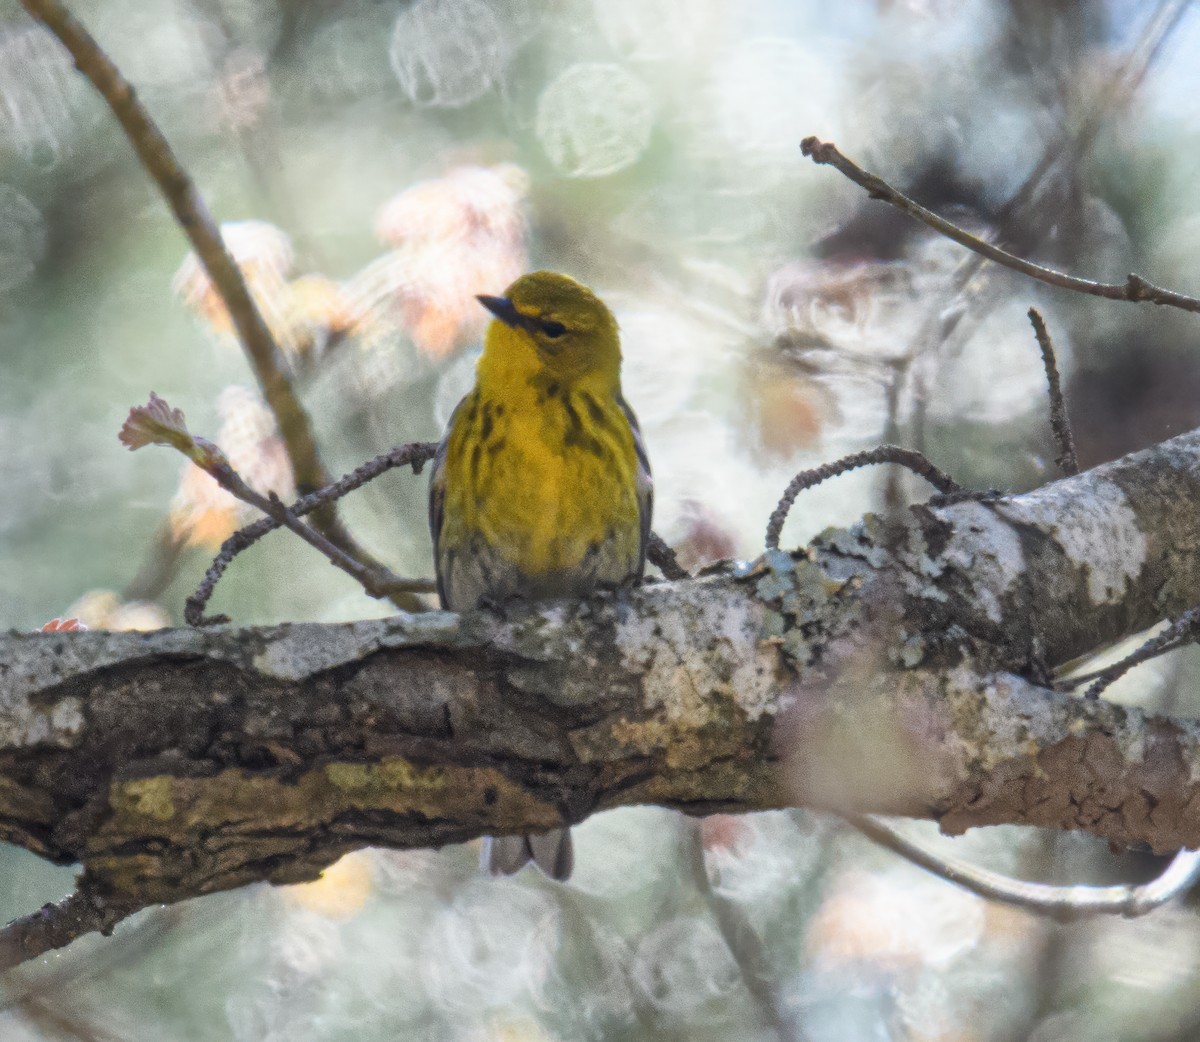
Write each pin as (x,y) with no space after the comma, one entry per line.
(898,666)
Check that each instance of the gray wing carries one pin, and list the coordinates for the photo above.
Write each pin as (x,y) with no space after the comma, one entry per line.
(645,484)
(465,573)
(437,501)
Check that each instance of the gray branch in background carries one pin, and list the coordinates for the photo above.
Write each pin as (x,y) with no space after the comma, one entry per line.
(197,223)
(1134,289)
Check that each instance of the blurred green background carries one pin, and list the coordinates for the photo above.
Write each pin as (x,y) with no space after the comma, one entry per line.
(377,164)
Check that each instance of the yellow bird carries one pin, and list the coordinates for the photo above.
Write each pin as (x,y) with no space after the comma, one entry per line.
(541,486)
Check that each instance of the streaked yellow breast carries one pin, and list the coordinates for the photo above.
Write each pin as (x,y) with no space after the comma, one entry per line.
(547,476)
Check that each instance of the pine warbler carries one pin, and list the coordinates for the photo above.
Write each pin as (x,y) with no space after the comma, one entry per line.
(541,486)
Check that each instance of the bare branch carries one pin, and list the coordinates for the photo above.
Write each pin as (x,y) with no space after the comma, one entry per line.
(1134,288)
(274,508)
(806,479)
(415,455)
(53,978)
(88,910)
(1067,460)
(1064,903)
(198,225)
(157,423)
(1182,630)
(660,553)
(742,940)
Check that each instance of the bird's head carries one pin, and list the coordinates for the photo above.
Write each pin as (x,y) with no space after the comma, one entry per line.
(568,328)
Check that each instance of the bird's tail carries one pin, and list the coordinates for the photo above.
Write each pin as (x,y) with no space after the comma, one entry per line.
(552,852)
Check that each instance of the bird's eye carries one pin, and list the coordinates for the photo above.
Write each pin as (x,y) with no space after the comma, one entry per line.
(553,329)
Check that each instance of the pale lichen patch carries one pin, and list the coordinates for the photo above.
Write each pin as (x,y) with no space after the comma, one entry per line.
(1097,529)
(708,645)
(43,662)
(1017,713)
(984,546)
(295,651)
(25,724)
(21,724)
(67,716)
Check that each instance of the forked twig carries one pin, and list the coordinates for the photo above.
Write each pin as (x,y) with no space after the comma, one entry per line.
(415,455)
(1067,150)
(157,423)
(271,505)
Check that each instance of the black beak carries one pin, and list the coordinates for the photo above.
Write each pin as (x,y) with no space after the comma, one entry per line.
(504,310)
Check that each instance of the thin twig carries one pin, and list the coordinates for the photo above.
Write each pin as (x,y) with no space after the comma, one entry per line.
(1181,631)
(806,479)
(52,926)
(1058,902)
(1067,460)
(137,941)
(742,940)
(415,455)
(1071,148)
(660,553)
(198,225)
(271,505)
(55,1020)
(1134,288)
(1067,150)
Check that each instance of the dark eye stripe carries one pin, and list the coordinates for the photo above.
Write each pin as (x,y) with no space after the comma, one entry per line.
(553,329)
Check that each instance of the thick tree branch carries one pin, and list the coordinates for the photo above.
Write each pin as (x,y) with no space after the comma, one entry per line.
(885,669)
